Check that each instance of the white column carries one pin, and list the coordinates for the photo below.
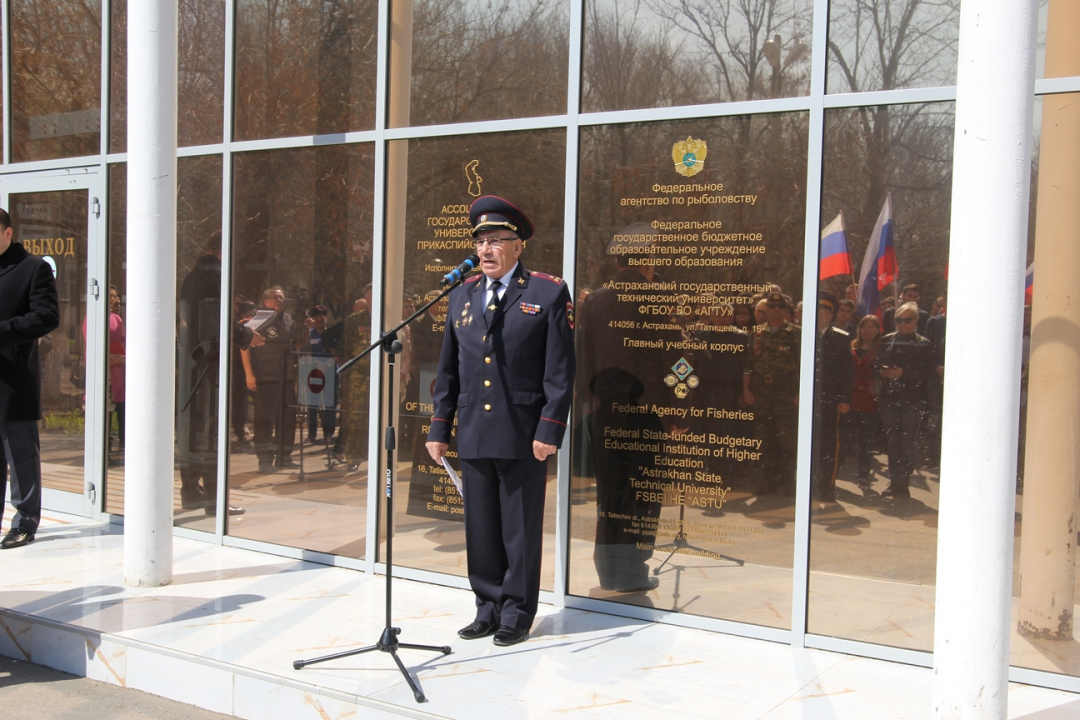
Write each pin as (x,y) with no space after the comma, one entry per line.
(991,170)
(151,286)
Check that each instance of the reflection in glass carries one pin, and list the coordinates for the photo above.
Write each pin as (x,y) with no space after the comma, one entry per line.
(117,76)
(879,378)
(201,67)
(530,168)
(117,277)
(302,237)
(1055,51)
(658,53)
(304,68)
(684,439)
(55,79)
(892,44)
(476,61)
(198,332)
(1046,585)
(200,79)
(54,225)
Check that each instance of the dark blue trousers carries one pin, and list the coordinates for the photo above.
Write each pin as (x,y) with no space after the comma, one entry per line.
(504,537)
(22,459)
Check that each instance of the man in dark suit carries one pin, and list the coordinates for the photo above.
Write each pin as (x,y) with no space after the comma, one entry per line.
(506,371)
(835,370)
(28,310)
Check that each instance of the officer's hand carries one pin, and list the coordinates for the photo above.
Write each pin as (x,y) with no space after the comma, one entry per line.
(542,450)
(251,384)
(257,340)
(437,451)
(842,408)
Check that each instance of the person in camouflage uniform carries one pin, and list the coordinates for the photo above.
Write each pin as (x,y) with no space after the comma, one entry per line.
(771,389)
(355,338)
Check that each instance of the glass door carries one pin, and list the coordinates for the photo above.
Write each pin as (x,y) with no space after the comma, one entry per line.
(56,218)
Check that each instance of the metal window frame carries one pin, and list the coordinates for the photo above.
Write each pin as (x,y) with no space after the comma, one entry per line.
(816,103)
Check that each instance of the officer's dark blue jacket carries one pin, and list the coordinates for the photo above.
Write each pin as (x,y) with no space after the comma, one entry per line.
(511,383)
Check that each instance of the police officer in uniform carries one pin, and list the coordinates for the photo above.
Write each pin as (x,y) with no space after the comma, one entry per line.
(506,371)
(835,378)
(771,387)
(612,377)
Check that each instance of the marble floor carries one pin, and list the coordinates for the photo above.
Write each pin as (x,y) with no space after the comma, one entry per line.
(224,635)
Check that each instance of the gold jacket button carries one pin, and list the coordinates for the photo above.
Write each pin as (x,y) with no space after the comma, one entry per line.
(488,360)
(488,408)
(487,383)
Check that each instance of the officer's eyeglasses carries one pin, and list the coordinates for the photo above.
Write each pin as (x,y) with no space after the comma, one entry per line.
(493,243)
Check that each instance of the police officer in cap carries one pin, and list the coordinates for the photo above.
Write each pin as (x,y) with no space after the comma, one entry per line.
(506,371)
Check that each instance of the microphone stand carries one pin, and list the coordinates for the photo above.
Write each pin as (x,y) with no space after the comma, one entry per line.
(388,642)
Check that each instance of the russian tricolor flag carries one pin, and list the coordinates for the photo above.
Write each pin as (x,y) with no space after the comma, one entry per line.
(834,255)
(879,266)
(1029,284)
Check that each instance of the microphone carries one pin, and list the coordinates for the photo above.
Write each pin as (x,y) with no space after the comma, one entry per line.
(461,270)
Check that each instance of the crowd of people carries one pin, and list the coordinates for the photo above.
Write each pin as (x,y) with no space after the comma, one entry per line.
(878,385)
(877,389)
(266,375)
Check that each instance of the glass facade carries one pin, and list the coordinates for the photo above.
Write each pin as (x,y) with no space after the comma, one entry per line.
(689,166)
(301,270)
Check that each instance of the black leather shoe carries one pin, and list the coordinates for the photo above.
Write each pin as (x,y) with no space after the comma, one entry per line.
(477,629)
(644,585)
(233,510)
(196,502)
(896,492)
(16,538)
(507,635)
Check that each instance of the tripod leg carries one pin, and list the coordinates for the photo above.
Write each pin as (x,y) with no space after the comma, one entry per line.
(444,649)
(416,691)
(297,664)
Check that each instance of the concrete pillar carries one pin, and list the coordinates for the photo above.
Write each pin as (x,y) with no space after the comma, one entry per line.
(1048,532)
(987,254)
(151,258)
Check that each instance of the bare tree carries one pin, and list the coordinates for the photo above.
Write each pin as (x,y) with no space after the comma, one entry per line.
(56,71)
(482,61)
(891,44)
(730,44)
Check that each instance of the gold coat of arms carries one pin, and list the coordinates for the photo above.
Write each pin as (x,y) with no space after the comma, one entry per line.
(689,156)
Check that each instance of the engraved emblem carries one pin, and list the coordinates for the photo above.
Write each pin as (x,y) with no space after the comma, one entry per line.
(681,391)
(693,381)
(689,156)
(473,176)
(670,380)
(682,368)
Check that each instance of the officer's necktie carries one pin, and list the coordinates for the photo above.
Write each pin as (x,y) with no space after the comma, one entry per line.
(494,302)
